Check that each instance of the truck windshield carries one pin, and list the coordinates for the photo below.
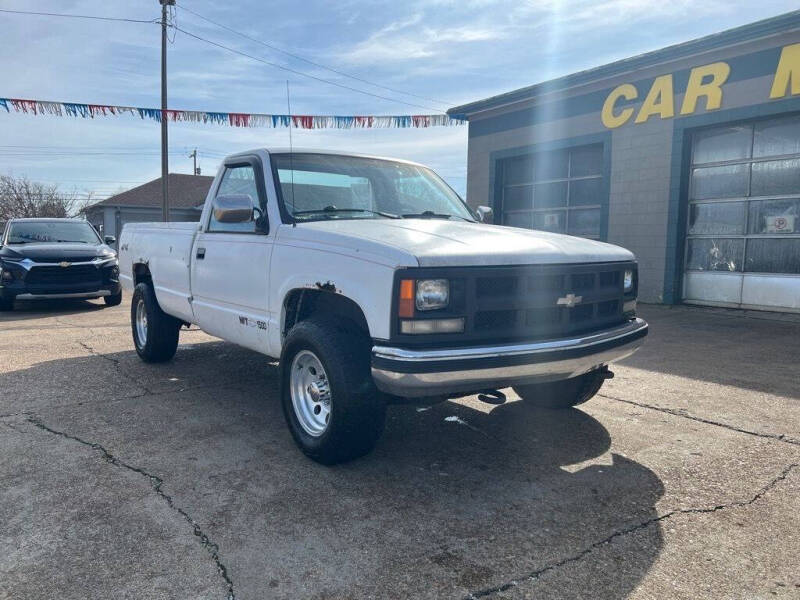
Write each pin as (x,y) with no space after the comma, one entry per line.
(48,232)
(329,186)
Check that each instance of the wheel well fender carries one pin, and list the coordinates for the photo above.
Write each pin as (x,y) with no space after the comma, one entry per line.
(141,274)
(301,303)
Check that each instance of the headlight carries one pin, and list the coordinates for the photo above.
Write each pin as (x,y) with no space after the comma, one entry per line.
(432,294)
(628,281)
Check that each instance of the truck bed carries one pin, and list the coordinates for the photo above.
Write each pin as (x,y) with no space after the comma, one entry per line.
(166,248)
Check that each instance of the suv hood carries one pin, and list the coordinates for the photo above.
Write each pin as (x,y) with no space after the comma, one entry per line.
(56,252)
(440,242)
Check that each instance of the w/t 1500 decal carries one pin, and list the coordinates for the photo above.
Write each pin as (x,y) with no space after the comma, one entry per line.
(247,322)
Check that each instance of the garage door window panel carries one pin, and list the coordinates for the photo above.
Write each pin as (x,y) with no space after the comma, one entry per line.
(777,138)
(727,181)
(585,192)
(717,218)
(551,165)
(770,255)
(520,219)
(555,221)
(723,144)
(771,217)
(584,222)
(518,197)
(776,177)
(550,195)
(715,254)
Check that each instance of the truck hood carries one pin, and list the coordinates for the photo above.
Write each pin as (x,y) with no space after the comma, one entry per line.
(439,242)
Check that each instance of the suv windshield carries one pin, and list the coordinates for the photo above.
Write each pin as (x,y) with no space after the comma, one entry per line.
(48,232)
(329,186)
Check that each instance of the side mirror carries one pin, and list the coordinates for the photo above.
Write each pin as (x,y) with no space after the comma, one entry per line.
(110,240)
(233,208)
(485,214)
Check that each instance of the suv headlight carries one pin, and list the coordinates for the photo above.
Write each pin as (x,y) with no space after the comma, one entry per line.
(628,280)
(432,294)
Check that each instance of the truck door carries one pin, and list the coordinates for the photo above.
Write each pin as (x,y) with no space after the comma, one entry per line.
(230,262)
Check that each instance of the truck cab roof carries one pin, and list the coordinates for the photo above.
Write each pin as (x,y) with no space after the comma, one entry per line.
(301,150)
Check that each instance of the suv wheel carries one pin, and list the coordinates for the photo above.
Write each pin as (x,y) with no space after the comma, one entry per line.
(562,394)
(113,300)
(155,333)
(331,405)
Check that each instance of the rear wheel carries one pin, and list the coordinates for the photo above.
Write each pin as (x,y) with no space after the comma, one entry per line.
(562,394)
(331,405)
(155,333)
(113,300)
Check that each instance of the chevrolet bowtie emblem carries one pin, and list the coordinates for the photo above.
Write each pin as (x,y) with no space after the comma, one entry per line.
(64,264)
(569,300)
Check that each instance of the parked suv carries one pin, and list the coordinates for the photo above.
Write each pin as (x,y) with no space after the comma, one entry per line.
(56,258)
(372,280)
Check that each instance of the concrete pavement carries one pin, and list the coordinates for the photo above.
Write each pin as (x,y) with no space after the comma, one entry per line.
(121,479)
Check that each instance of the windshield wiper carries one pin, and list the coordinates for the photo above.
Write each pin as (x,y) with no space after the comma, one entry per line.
(333,209)
(429,214)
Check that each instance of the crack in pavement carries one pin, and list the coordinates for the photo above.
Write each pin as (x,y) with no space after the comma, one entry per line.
(535,575)
(680,413)
(155,482)
(117,365)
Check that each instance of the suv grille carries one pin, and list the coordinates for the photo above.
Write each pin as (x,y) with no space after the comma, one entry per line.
(522,302)
(56,278)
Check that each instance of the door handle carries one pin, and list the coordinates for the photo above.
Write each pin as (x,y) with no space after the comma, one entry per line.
(201,253)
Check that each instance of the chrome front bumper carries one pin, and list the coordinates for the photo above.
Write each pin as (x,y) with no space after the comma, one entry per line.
(420,373)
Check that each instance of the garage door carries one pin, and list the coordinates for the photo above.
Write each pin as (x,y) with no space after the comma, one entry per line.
(557,191)
(743,238)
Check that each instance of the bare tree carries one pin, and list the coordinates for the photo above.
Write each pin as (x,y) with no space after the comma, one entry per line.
(21,197)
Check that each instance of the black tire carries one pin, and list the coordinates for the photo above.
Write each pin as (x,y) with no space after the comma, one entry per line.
(161,336)
(6,304)
(113,300)
(357,409)
(562,394)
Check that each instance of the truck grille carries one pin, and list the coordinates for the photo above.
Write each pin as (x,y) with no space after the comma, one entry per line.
(522,302)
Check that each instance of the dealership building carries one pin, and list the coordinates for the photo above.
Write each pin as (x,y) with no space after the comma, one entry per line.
(689,156)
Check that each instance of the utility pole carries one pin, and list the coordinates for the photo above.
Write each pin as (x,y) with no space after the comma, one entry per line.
(164,144)
(193,156)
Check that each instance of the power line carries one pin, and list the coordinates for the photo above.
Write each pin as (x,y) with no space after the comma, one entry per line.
(73,16)
(309,61)
(301,73)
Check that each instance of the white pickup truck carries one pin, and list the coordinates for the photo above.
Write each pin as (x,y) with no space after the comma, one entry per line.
(373,282)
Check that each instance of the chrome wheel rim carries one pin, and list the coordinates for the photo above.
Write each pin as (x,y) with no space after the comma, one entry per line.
(141,324)
(311,394)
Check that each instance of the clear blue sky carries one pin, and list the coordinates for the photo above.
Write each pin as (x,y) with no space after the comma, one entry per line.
(453,51)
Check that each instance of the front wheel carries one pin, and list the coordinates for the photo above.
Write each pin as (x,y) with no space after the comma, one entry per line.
(331,405)
(562,394)
(113,299)
(155,333)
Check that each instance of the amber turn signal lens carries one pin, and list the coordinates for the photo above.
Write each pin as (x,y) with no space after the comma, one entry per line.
(405,308)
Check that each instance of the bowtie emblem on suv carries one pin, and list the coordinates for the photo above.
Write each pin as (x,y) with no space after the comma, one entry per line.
(569,300)
(64,264)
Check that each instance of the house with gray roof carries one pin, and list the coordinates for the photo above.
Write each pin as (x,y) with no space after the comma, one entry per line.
(187,194)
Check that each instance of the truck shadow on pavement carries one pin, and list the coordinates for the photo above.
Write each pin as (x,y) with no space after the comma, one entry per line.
(458,499)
